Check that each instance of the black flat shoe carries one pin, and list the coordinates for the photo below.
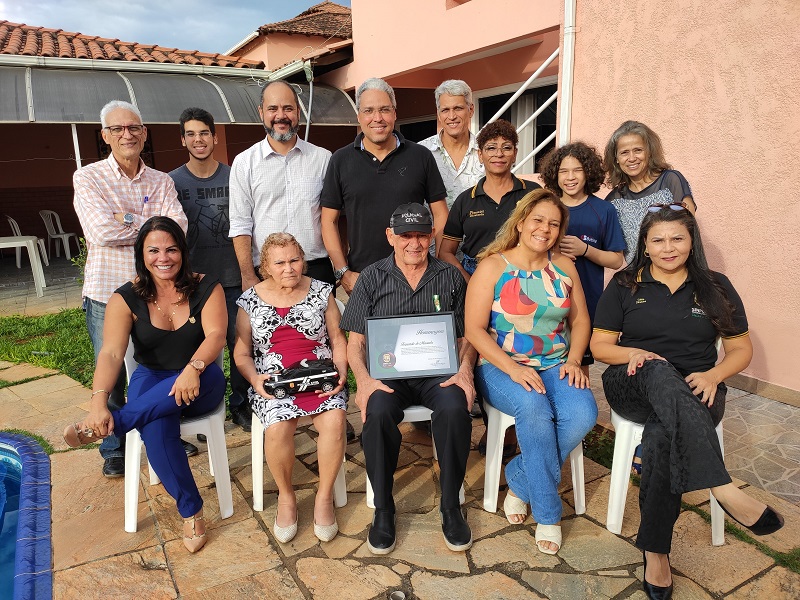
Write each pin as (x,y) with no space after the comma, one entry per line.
(114,467)
(769,521)
(655,592)
(242,417)
(189,448)
(381,538)
(456,531)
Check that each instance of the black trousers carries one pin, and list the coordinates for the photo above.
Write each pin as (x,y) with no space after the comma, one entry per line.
(451,427)
(321,268)
(680,448)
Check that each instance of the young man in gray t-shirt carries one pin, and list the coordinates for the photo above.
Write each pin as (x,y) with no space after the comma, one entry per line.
(202,185)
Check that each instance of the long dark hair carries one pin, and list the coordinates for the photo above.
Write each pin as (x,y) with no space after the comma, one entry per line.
(185,282)
(709,294)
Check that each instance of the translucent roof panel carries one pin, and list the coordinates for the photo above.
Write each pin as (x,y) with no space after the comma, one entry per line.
(73,96)
(13,99)
(162,97)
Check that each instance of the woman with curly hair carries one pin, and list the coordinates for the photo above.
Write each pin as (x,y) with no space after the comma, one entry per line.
(594,238)
(286,318)
(479,211)
(641,177)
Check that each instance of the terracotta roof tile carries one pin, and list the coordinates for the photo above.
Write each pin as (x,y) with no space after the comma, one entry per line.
(326,19)
(27,40)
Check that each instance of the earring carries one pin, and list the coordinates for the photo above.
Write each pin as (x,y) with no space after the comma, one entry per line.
(647,254)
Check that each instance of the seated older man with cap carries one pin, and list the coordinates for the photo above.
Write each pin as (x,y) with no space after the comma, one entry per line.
(409,282)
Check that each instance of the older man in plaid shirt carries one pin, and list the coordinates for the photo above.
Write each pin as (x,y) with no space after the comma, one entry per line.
(113,198)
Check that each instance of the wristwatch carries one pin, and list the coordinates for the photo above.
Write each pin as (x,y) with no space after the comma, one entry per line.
(339,273)
(198,364)
(127,218)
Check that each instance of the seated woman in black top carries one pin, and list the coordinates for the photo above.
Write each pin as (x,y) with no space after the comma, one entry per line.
(656,325)
(177,321)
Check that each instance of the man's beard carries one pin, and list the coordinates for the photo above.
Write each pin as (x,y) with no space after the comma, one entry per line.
(282,137)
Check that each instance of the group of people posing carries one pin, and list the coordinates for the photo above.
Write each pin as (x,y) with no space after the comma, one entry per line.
(442,225)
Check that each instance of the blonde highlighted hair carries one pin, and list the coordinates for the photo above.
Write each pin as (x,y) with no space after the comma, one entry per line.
(508,235)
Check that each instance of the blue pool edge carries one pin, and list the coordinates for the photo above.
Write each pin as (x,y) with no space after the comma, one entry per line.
(33,573)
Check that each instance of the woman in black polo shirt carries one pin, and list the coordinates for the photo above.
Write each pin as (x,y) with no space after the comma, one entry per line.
(480,211)
(656,325)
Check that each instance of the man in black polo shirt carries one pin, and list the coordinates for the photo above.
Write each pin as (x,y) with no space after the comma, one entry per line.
(369,179)
(410,281)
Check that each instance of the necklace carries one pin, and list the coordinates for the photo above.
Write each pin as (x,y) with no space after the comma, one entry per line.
(175,308)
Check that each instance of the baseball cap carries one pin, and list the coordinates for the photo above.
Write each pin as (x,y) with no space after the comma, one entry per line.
(411,217)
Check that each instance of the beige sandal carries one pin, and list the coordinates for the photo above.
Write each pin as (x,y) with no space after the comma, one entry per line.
(76,436)
(548,533)
(513,505)
(196,541)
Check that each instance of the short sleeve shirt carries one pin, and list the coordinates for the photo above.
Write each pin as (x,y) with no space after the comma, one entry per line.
(456,178)
(671,325)
(382,290)
(475,217)
(368,190)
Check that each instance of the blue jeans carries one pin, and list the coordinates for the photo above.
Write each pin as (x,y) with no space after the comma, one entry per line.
(239,384)
(112,446)
(158,418)
(549,427)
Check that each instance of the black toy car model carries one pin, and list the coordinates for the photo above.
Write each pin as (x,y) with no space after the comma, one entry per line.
(305,376)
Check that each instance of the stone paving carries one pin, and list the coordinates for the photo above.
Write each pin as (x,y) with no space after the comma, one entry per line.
(94,557)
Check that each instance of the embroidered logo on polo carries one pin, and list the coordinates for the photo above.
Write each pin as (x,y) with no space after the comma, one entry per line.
(476,213)
(641,301)
(699,313)
(402,171)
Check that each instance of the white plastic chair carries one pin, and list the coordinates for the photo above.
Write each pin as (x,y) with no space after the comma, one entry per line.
(495,434)
(257,467)
(413,414)
(212,425)
(39,241)
(628,435)
(55,232)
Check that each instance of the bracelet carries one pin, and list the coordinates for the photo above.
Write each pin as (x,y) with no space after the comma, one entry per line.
(585,251)
(99,392)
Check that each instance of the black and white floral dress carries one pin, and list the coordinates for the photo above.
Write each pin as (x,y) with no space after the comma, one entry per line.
(281,338)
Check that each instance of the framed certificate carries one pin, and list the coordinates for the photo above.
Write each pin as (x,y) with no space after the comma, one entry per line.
(412,346)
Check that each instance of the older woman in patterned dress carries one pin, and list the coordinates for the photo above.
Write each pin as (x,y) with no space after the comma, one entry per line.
(286,318)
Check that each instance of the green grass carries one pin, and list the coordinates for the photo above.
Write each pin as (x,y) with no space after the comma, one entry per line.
(46,446)
(59,341)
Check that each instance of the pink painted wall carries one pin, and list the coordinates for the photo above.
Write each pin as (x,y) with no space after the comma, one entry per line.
(393,38)
(719,82)
(277,49)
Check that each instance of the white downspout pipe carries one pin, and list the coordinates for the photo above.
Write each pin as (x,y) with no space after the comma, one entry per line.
(567,74)
(76,145)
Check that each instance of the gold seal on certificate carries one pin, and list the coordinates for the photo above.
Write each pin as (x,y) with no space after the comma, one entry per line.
(405,346)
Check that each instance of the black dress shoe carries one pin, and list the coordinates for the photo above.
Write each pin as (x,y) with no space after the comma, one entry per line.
(351,433)
(381,538)
(114,466)
(769,521)
(242,416)
(655,592)
(189,448)
(201,437)
(457,534)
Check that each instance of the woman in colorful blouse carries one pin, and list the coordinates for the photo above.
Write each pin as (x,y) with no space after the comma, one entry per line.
(526,316)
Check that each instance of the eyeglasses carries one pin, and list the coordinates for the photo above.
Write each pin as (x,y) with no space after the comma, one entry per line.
(190,135)
(504,149)
(117,130)
(654,208)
